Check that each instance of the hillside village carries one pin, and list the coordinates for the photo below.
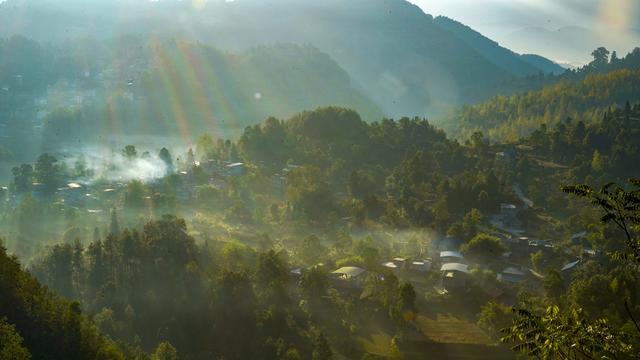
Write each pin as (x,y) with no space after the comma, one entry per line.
(439,268)
(333,180)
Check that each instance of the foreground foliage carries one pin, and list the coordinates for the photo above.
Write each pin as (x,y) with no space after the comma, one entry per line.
(51,328)
(569,333)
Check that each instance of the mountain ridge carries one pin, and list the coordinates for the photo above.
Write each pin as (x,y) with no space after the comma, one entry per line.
(395,52)
(507,59)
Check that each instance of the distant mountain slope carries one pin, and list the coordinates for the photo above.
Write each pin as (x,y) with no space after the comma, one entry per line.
(244,88)
(189,88)
(512,117)
(518,65)
(547,66)
(398,55)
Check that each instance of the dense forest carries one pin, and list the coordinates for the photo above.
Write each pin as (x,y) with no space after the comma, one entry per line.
(325,189)
(585,94)
(238,189)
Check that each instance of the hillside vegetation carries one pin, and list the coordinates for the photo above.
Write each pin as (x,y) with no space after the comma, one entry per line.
(511,117)
(48,326)
(583,94)
(402,59)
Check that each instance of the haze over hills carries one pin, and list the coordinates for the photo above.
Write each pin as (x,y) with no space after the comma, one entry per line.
(585,95)
(570,44)
(541,26)
(90,90)
(519,65)
(266,179)
(404,60)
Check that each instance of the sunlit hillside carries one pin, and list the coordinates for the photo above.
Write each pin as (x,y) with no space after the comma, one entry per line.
(328,180)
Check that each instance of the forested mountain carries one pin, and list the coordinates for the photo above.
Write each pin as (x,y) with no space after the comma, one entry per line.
(511,117)
(607,147)
(235,90)
(543,63)
(518,65)
(401,58)
(81,90)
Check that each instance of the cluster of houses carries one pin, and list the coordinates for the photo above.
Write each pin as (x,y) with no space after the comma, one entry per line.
(99,195)
(216,171)
(507,157)
(405,264)
(78,195)
(507,219)
(279,179)
(214,168)
(454,270)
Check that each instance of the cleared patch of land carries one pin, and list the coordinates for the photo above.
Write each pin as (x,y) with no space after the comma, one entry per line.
(449,329)
(378,344)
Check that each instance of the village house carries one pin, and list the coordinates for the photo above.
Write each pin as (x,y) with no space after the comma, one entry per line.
(390,265)
(451,257)
(569,268)
(37,191)
(509,215)
(401,263)
(348,277)
(73,195)
(454,276)
(235,169)
(405,264)
(544,245)
(295,274)
(420,266)
(289,168)
(449,243)
(523,246)
(109,194)
(507,157)
(580,238)
(512,275)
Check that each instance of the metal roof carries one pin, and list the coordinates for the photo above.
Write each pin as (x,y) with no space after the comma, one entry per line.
(455,267)
(235,165)
(513,271)
(578,235)
(454,254)
(350,271)
(570,265)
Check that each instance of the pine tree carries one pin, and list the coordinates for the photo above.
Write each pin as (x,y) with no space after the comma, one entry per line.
(114,228)
(597,163)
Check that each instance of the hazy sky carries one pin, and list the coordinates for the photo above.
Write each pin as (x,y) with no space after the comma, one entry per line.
(498,17)
(615,21)
(611,23)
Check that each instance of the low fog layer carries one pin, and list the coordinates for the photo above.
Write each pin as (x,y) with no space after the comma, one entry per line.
(111,165)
